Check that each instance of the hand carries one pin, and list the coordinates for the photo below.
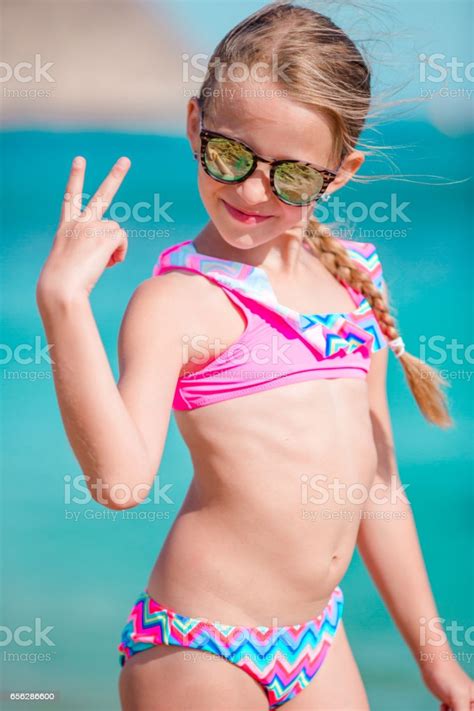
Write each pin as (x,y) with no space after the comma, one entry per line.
(450,684)
(84,244)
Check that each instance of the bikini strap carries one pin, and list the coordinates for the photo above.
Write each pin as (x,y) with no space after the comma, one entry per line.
(327,333)
(182,256)
(366,257)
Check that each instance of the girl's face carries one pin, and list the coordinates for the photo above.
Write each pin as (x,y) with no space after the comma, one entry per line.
(276,127)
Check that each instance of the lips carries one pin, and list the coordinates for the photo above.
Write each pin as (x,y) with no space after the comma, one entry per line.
(244,217)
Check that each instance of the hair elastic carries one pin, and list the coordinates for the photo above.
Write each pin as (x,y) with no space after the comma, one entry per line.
(398,346)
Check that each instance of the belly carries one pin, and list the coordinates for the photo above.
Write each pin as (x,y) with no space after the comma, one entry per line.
(275,502)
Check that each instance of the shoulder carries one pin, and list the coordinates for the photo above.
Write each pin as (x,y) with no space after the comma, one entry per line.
(366,256)
(186,276)
(175,295)
(163,316)
(172,278)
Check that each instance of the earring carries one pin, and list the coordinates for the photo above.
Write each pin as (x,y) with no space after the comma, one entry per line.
(325,197)
(195,155)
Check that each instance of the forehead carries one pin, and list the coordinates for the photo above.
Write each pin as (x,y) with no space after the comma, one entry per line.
(273,125)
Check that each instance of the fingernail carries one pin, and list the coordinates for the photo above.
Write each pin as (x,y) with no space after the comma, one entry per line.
(123,162)
(78,161)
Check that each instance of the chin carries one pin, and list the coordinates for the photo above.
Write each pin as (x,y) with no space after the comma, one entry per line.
(238,234)
(241,240)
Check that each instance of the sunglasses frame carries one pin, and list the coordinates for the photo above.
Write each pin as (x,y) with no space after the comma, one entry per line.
(206,135)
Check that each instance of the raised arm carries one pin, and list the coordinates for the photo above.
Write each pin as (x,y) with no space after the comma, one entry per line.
(117,432)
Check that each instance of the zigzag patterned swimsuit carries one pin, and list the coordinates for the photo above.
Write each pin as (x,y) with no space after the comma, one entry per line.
(333,345)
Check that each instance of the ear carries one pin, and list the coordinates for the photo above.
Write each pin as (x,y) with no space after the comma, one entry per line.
(192,124)
(349,167)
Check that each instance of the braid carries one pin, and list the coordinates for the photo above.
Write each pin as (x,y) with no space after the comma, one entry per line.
(424,381)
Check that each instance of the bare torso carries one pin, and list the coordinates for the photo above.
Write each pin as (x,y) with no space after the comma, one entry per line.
(263,536)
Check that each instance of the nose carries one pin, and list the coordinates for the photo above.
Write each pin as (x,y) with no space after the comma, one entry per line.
(256,189)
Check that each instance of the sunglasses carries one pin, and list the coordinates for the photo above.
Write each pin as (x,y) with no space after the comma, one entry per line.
(227,160)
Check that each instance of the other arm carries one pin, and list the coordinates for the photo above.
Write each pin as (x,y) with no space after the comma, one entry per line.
(390,548)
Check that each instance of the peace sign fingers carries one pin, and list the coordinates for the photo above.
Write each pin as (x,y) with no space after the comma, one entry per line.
(72,200)
(105,193)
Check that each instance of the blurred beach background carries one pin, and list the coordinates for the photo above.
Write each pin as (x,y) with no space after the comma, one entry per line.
(116,86)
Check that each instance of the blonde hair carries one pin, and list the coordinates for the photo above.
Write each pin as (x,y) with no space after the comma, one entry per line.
(325,69)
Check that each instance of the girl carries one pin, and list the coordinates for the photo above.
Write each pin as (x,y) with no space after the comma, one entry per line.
(268,338)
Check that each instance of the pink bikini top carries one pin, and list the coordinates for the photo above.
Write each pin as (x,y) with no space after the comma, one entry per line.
(279,345)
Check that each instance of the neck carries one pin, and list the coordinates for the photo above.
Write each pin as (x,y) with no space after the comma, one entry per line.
(281,255)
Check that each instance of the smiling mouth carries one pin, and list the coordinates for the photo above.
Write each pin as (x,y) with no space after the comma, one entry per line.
(243,216)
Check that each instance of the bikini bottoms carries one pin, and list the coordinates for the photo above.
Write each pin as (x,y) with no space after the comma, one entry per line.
(283,660)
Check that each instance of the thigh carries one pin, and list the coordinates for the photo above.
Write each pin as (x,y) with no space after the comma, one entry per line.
(337,684)
(168,677)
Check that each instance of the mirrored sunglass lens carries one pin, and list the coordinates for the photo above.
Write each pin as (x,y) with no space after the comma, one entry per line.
(298,183)
(227,160)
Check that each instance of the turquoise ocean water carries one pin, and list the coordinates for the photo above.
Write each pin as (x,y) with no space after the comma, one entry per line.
(66,561)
